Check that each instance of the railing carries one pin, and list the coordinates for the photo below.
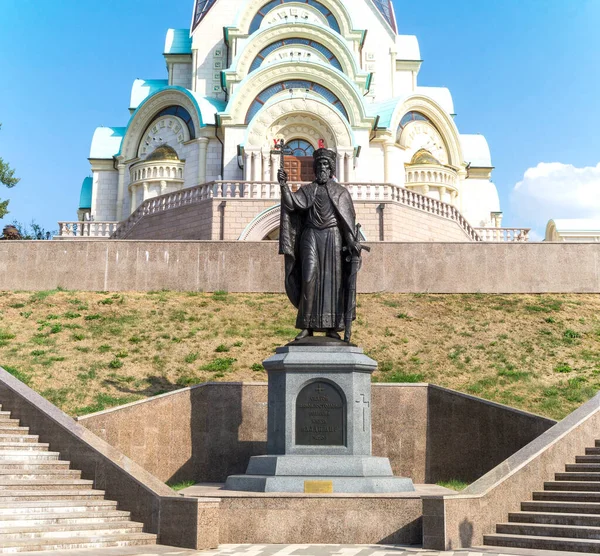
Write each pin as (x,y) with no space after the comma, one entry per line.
(87,229)
(270,190)
(503,234)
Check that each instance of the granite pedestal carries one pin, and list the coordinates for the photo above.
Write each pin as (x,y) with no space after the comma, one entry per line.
(319,424)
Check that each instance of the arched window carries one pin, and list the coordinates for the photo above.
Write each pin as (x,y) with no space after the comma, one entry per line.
(260,57)
(260,15)
(411,117)
(308,86)
(180,113)
(300,147)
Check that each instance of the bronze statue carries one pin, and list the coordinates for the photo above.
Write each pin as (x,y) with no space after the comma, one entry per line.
(320,240)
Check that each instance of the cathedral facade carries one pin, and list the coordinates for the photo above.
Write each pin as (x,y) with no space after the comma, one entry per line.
(196,159)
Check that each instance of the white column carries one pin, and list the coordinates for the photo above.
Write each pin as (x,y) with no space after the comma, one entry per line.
(348,166)
(340,167)
(274,167)
(387,161)
(145,191)
(202,150)
(120,190)
(265,166)
(163,186)
(247,166)
(132,206)
(255,166)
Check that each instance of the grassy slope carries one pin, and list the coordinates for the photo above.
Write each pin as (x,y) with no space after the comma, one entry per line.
(88,351)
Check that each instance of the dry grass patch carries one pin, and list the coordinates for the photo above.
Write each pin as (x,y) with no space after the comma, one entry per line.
(89,351)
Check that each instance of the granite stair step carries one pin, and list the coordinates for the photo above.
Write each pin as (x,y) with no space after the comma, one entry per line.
(47,507)
(561,507)
(36,465)
(571,485)
(582,467)
(129,539)
(543,543)
(577,476)
(26,495)
(592,451)
(47,484)
(11,455)
(572,496)
(4,415)
(4,437)
(587,459)
(11,424)
(38,474)
(587,520)
(98,516)
(546,530)
(71,530)
(23,446)
(597,443)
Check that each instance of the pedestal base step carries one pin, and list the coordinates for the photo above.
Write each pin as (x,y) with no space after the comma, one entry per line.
(291,483)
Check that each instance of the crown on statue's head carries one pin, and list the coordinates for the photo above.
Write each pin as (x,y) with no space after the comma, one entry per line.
(325,153)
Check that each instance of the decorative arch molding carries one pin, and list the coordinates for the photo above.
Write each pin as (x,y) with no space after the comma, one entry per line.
(175,129)
(306,118)
(321,74)
(251,7)
(265,223)
(320,34)
(146,113)
(439,118)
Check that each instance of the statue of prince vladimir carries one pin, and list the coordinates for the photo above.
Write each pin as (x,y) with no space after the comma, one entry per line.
(317,235)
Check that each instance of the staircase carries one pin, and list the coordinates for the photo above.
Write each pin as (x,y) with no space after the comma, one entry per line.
(44,505)
(565,516)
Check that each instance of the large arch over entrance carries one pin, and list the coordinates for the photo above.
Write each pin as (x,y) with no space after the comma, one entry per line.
(304,118)
(263,226)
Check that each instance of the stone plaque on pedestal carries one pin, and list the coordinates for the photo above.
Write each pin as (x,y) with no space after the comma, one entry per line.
(319,424)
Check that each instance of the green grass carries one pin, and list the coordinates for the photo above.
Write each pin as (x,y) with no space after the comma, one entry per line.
(454,484)
(181,485)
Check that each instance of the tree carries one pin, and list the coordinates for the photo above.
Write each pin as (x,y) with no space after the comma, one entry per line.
(7,177)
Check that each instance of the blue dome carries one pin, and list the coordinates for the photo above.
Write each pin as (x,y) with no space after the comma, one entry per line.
(85,197)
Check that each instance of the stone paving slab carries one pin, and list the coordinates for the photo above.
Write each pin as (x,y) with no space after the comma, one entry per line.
(298,550)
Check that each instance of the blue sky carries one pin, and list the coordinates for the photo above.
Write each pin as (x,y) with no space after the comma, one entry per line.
(522,72)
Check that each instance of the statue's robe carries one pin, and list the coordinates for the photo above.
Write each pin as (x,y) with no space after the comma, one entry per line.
(314,230)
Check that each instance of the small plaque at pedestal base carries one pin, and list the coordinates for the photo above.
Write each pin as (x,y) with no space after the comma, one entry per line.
(318,487)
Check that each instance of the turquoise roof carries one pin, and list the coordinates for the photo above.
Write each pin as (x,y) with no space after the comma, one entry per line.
(85,197)
(384,109)
(143,88)
(178,41)
(206,107)
(106,142)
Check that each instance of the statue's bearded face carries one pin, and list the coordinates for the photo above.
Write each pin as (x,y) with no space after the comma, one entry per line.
(323,170)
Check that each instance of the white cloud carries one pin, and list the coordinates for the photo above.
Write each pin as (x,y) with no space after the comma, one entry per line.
(555,190)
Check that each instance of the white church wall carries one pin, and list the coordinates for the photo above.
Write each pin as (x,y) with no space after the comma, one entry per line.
(181,75)
(104,195)
(478,199)
(211,50)
(370,165)
(190,174)
(233,137)
(213,160)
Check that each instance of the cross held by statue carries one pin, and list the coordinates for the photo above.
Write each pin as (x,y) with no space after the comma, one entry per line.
(281,150)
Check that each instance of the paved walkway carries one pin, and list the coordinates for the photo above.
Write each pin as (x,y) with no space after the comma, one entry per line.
(297,550)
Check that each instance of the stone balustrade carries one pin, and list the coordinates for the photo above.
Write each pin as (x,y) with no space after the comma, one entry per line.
(270,190)
(86,229)
(427,179)
(155,171)
(503,234)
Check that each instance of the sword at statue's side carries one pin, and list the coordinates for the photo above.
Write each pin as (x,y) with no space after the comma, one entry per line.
(355,261)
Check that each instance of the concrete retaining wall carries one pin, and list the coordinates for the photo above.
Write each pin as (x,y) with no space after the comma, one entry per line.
(461,521)
(256,267)
(178,521)
(429,433)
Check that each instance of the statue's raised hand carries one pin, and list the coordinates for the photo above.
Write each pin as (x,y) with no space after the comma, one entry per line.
(282,177)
